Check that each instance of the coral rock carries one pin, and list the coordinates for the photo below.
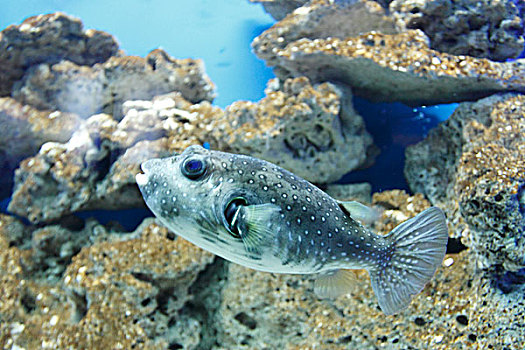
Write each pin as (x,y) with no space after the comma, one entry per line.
(124,291)
(377,61)
(24,130)
(473,165)
(261,310)
(321,19)
(312,131)
(278,9)
(49,39)
(484,29)
(104,87)
(96,168)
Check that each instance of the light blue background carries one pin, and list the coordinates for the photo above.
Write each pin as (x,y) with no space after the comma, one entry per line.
(217,31)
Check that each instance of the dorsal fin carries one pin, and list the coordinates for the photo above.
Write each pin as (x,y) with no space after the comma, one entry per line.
(361,212)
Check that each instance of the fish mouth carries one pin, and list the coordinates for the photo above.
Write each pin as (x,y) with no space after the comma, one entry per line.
(142,178)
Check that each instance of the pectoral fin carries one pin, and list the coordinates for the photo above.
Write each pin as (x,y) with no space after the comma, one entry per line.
(253,224)
(361,212)
(335,283)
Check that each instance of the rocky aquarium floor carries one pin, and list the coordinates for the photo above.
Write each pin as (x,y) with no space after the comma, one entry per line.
(78,116)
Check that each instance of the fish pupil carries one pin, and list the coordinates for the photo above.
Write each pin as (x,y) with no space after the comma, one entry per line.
(193,168)
(231,215)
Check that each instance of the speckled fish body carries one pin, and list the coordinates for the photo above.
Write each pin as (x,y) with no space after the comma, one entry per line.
(261,216)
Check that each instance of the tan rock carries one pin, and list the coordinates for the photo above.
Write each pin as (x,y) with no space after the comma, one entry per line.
(483,29)
(24,130)
(96,168)
(312,131)
(49,38)
(357,44)
(124,291)
(278,9)
(262,310)
(473,166)
(104,87)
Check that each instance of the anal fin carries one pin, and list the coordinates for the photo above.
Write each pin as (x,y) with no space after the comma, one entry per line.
(335,283)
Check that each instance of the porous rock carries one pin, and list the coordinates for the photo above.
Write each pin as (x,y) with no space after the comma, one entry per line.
(104,87)
(473,166)
(96,168)
(148,290)
(122,290)
(484,29)
(312,131)
(278,9)
(261,310)
(376,60)
(49,39)
(321,19)
(24,130)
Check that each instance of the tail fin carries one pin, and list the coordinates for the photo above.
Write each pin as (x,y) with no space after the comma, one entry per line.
(418,248)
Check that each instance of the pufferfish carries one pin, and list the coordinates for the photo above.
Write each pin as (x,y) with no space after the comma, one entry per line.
(259,215)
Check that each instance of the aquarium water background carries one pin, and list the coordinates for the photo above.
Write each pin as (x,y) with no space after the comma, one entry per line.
(220,33)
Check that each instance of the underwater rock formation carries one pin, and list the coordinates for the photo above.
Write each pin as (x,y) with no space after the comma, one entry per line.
(104,87)
(96,168)
(93,170)
(261,310)
(149,289)
(24,130)
(483,29)
(66,282)
(376,61)
(278,9)
(312,131)
(473,166)
(126,290)
(50,39)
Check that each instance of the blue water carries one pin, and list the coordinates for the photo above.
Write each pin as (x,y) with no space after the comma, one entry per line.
(394,126)
(220,33)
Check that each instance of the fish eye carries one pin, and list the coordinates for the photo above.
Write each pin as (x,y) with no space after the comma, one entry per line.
(193,168)
(231,213)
